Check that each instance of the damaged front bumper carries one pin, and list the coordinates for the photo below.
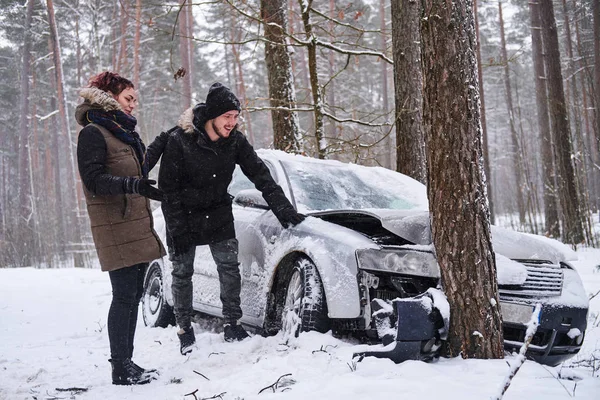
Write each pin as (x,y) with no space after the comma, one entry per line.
(410,328)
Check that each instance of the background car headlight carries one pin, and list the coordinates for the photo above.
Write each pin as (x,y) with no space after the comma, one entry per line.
(409,262)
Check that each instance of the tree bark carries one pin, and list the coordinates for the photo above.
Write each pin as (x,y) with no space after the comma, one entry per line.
(486,154)
(456,189)
(410,139)
(567,191)
(548,173)
(286,132)
(317,94)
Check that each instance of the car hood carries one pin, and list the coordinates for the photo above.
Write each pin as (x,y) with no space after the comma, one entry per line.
(413,227)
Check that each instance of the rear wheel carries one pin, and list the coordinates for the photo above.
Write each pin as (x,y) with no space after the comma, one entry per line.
(304,303)
(155,310)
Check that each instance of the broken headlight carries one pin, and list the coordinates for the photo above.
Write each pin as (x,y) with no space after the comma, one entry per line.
(400,261)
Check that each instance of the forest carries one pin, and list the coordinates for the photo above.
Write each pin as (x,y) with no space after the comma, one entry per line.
(332,79)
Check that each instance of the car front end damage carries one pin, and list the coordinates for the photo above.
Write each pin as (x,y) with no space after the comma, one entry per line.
(405,311)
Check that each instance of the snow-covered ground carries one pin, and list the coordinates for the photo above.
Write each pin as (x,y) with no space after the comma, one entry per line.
(53,336)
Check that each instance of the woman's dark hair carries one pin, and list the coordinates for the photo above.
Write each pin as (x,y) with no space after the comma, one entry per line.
(110,82)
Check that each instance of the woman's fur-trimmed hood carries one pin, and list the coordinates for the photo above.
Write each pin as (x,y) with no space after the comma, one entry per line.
(94,98)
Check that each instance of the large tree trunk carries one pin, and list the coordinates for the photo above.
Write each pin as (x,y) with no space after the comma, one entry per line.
(486,154)
(410,140)
(314,79)
(286,132)
(516,153)
(548,173)
(456,189)
(566,185)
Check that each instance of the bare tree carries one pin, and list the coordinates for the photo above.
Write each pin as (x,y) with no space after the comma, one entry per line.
(406,38)
(486,155)
(597,71)
(521,188)
(455,185)
(548,174)
(282,96)
(25,192)
(184,52)
(567,190)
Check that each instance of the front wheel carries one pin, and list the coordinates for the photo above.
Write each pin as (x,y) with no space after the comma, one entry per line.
(304,306)
(155,310)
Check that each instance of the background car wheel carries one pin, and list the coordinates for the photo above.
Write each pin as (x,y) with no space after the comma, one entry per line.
(304,304)
(155,310)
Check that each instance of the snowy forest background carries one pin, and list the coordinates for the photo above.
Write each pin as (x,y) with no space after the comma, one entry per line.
(173,51)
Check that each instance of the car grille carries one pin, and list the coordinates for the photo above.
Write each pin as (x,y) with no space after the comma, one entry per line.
(544,279)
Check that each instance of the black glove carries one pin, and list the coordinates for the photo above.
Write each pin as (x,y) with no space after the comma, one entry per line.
(181,244)
(288,217)
(143,187)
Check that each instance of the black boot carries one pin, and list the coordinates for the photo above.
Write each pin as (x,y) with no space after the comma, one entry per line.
(150,373)
(233,332)
(187,340)
(124,373)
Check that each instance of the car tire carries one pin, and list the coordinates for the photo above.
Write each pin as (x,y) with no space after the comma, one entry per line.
(155,310)
(304,303)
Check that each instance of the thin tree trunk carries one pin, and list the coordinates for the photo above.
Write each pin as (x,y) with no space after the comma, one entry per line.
(410,139)
(317,94)
(69,200)
(567,189)
(136,44)
(123,63)
(486,153)
(286,132)
(455,185)
(184,53)
(387,142)
(597,71)
(548,174)
(522,189)
(25,192)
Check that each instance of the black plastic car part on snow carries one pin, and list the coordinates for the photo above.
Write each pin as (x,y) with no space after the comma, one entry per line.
(412,329)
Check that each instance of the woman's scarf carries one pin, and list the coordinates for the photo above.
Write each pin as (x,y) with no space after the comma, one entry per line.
(122,125)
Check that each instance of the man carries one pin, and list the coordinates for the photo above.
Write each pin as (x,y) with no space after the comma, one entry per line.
(196,170)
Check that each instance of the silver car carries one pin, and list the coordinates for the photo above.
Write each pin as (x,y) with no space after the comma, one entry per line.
(364,260)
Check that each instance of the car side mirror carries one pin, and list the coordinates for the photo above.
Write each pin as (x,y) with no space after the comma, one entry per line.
(251,198)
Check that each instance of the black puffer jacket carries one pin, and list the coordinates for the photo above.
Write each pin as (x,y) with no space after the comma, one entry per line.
(195,174)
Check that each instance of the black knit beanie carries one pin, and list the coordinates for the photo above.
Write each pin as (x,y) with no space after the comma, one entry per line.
(219,100)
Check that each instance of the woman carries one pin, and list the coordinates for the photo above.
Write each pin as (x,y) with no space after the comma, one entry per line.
(114,165)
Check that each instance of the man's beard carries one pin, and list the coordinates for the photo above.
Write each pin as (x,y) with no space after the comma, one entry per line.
(219,131)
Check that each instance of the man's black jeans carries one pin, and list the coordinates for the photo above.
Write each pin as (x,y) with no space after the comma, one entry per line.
(127,287)
(225,254)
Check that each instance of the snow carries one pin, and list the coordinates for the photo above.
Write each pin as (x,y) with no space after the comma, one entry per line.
(53,335)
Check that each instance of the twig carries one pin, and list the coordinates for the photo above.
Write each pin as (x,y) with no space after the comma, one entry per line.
(531,329)
(192,394)
(215,353)
(324,349)
(594,295)
(72,389)
(220,395)
(196,372)
(274,386)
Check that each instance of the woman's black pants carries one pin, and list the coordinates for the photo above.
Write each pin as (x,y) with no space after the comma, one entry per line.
(127,287)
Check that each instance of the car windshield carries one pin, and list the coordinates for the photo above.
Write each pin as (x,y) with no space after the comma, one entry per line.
(334,186)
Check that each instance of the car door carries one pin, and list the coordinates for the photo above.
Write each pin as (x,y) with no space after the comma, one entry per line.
(254,227)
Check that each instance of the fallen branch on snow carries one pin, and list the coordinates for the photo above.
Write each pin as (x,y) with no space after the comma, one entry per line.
(532,326)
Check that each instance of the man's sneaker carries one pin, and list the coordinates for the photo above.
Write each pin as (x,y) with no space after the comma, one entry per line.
(124,373)
(234,332)
(187,340)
